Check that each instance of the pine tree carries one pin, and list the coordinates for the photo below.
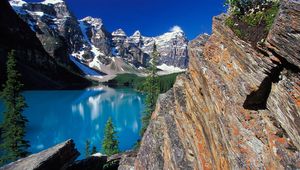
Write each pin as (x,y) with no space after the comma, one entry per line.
(94,150)
(152,90)
(13,146)
(110,144)
(87,148)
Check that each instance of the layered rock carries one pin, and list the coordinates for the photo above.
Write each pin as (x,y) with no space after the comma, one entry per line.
(57,157)
(284,37)
(236,108)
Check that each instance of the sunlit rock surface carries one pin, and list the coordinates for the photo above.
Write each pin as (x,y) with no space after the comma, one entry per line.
(236,108)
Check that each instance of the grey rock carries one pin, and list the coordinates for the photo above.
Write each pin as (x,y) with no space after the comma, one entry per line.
(57,157)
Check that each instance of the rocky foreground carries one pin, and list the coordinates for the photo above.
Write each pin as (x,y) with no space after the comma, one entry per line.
(238,106)
(63,156)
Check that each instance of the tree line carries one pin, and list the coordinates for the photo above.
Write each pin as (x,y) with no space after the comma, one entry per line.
(13,128)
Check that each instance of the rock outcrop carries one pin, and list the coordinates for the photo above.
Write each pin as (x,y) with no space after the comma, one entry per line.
(236,108)
(284,37)
(90,163)
(63,157)
(57,157)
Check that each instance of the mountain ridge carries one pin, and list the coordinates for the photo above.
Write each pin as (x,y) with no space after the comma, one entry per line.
(87,39)
(38,69)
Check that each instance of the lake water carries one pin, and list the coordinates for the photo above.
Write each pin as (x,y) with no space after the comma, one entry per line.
(55,116)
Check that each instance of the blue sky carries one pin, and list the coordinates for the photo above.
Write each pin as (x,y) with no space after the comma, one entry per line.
(151,17)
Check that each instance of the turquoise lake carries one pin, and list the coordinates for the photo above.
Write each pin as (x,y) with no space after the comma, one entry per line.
(55,116)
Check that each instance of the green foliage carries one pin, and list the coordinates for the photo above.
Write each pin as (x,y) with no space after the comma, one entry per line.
(131,80)
(235,6)
(137,145)
(110,144)
(231,23)
(13,146)
(266,16)
(270,15)
(166,82)
(258,16)
(87,148)
(151,87)
(253,19)
(242,7)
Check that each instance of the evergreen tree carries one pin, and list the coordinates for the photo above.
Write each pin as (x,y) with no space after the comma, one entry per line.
(152,90)
(87,148)
(13,146)
(94,150)
(110,144)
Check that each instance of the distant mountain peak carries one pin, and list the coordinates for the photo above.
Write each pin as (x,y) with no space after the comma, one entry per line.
(136,34)
(95,22)
(119,32)
(17,3)
(176,28)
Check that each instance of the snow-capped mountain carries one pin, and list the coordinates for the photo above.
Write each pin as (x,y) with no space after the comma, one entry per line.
(87,42)
(39,70)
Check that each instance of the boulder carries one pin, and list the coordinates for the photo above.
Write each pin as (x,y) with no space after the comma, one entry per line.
(57,157)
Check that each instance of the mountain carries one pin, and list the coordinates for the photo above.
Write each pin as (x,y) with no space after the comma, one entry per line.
(39,70)
(237,107)
(87,42)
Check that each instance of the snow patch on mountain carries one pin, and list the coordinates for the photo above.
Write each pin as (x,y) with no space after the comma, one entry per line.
(85,69)
(52,2)
(119,33)
(169,69)
(18,3)
(17,6)
(95,22)
(94,49)
(176,28)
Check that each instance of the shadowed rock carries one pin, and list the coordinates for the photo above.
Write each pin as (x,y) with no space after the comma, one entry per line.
(90,163)
(57,157)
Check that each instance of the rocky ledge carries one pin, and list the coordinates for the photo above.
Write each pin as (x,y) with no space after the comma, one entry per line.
(63,156)
(238,106)
(56,157)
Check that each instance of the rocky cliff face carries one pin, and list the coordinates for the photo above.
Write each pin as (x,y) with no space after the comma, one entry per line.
(38,69)
(88,42)
(236,108)
(54,25)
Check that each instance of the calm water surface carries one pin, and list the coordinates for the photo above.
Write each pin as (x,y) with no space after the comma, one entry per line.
(55,116)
